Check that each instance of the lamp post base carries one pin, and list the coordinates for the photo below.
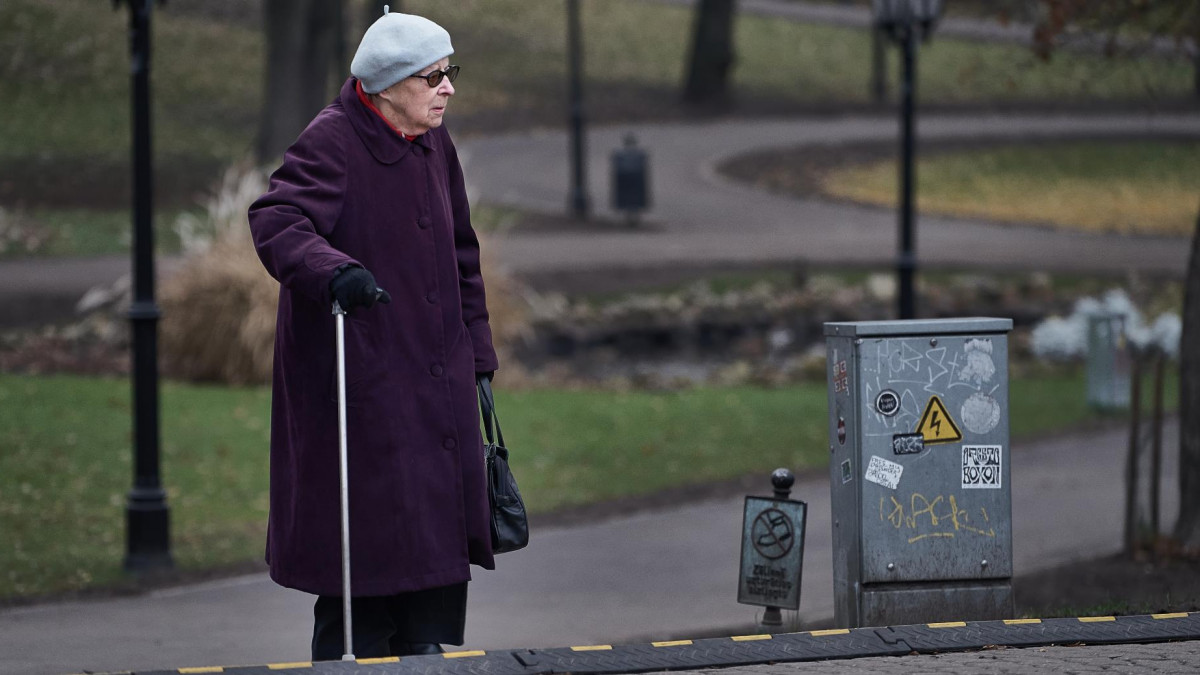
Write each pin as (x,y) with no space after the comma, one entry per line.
(580,205)
(148,526)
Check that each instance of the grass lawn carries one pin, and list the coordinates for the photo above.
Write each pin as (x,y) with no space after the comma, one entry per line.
(65,466)
(64,78)
(53,232)
(1147,187)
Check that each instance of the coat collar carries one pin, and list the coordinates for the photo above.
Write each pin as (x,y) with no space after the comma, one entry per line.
(381,139)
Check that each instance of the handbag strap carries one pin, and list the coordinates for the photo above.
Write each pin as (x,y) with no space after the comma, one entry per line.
(487,406)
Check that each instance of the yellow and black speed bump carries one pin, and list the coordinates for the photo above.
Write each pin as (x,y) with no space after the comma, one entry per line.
(688,654)
(753,649)
(1032,632)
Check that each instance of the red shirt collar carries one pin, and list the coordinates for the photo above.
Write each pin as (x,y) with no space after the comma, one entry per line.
(362,96)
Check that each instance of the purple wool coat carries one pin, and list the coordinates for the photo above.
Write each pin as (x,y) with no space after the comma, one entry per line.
(351,190)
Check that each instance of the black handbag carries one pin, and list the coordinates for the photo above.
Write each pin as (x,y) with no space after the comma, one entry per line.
(510,525)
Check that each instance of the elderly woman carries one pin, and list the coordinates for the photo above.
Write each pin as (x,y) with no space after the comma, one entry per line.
(370,197)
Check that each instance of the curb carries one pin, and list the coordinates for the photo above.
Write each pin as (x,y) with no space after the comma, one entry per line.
(744,650)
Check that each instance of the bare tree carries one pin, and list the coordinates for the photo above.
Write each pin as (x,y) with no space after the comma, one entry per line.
(711,54)
(302,39)
(1177,20)
(370,10)
(1187,528)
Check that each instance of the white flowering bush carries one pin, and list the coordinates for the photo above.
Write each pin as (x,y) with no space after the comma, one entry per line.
(1060,339)
(1057,339)
(1166,332)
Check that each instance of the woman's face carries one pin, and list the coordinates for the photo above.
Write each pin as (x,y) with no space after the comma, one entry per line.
(414,106)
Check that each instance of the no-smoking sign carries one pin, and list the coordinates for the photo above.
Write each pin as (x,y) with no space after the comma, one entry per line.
(772,552)
(773,534)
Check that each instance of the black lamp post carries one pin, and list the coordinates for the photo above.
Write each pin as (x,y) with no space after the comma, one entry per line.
(147,539)
(579,197)
(878,86)
(905,22)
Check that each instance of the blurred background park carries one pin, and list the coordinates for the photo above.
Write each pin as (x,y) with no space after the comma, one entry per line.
(660,380)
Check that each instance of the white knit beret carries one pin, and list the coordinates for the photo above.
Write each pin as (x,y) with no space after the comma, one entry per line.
(396,46)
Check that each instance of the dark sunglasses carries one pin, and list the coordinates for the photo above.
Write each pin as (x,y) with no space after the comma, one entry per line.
(435,78)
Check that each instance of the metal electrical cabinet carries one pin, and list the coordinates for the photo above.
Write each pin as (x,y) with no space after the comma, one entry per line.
(919,470)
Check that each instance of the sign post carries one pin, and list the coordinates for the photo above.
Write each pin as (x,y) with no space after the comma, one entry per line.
(773,550)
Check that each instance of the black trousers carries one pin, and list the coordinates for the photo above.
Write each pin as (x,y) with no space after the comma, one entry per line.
(388,625)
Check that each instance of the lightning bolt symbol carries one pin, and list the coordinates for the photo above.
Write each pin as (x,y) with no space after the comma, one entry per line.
(935,424)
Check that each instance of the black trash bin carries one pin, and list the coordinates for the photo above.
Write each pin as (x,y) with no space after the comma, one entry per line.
(630,180)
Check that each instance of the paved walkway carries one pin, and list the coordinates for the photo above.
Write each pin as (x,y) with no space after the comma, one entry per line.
(652,576)
(699,217)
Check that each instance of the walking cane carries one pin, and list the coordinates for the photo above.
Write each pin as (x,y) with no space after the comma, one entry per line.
(348,654)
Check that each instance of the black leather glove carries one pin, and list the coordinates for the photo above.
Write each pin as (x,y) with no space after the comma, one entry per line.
(485,376)
(355,287)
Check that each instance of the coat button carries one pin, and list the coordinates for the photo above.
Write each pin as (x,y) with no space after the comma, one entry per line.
(431,297)
(436,370)
(423,222)
(449,444)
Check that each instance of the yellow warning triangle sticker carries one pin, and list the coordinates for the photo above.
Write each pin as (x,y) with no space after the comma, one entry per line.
(936,424)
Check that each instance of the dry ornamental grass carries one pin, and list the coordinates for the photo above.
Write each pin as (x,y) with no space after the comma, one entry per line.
(219,316)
